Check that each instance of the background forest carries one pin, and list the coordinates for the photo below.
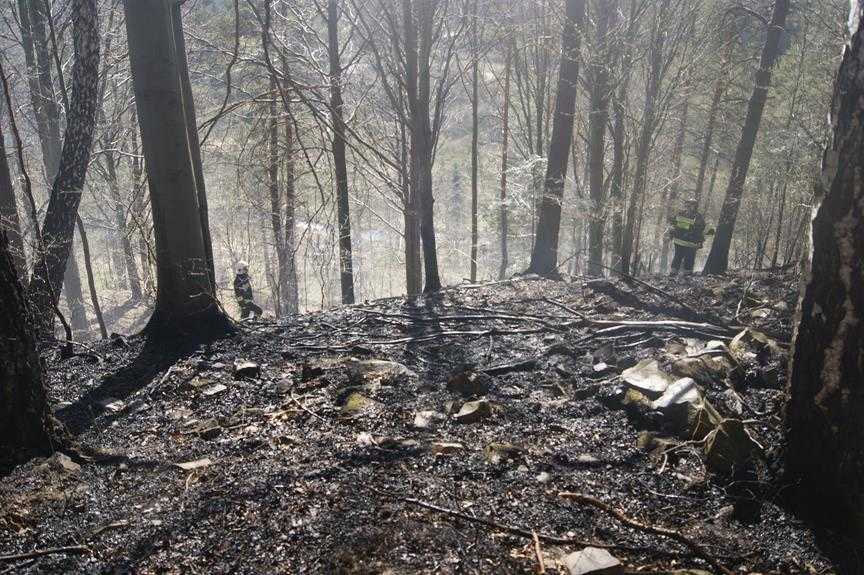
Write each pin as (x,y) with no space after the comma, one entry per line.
(674,74)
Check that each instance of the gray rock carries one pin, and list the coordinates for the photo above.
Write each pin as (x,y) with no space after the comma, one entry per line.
(444,448)
(243,369)
(474,411)
(469,383)
(686,411)
(63,462)
(428,419)
(593,561)
(366,371)
(647,378)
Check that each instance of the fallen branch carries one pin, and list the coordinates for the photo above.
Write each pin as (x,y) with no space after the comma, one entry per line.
(71,550)
(662,531)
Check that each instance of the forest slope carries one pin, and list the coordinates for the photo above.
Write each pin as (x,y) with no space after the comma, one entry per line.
(300,455)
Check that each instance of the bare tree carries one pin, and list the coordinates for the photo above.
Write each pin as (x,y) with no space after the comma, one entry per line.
(544,256)
(718,258)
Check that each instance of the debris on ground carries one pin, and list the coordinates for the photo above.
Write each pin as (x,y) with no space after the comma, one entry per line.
(581,427)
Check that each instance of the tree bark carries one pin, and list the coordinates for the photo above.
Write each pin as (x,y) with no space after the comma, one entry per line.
(419,23)
(343,207)
(643,151)
(475,128)
(713,111)
(597,120)
(718,258)
(505,143)
(674,186)
(825,439)
(25,419)
(10,224)
(59,227)
(544,256)
(185,299)
(91,284)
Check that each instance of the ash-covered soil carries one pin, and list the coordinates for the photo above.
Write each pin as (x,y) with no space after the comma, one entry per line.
(313,459)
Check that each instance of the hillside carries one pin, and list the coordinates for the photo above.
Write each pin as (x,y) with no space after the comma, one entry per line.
(432,435)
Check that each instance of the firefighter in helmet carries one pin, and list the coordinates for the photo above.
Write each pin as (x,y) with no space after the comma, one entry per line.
(687,229)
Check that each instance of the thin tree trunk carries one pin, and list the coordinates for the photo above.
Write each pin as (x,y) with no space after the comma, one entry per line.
(281,288)
(780,221)
(674,187)
(718,258)
(291,299)
(346,265)
(616,177)
(713,111)
(94,297)
(185,300)
(505,142)
(475,128)
(824,458)
(59,226)
(597,120)
(649,117)
(194,142)
(122,230)
(544,256)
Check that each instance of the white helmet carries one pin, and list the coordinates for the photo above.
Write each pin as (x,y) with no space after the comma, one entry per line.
(241,267)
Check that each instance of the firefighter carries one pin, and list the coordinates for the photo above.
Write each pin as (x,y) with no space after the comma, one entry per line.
(688,235)
(243,292)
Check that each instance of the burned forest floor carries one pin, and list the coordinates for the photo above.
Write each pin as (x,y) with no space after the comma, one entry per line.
(493,428)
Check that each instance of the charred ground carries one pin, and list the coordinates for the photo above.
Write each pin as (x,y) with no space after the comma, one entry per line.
(300,455)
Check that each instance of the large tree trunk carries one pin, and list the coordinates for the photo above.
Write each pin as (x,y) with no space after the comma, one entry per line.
(505,143)
(544,256)
(825,438)
(718,258)
(59,227)
(346,264)
(25,420)
(599,116)
(186,305)
(643,150)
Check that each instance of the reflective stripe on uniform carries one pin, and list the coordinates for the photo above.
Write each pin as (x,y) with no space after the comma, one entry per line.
(685,243)
(683,223)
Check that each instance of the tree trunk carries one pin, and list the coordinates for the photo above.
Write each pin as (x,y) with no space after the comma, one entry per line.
(505,142)
(9,221)
(643,151)
(59,226)
(25,419)
(122,230)
(291,299)
(185,299)
(475,128)
(718,258)
(281,288)
(94,297)
(825,438)
(619,104)
(544,256)
(713,111)
(597,120)
(346,265)
(419,37)
(674,186)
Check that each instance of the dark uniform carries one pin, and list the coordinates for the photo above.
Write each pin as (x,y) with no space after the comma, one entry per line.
(688,235)
(245,298)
